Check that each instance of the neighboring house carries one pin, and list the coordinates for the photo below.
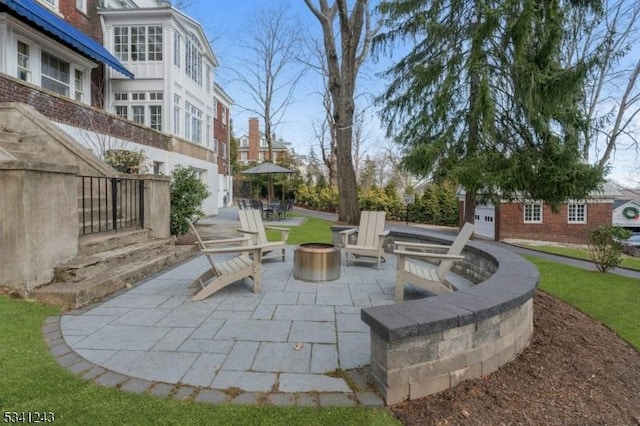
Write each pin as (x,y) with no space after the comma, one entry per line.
(167,111)
(626,214)
(254,148)
(222,142)
(534,220)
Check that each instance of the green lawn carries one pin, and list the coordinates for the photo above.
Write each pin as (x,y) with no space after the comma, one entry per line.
(312,230)
(608,298)
(31,380)
(627,261)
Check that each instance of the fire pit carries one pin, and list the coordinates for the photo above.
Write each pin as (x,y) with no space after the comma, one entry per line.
(316,262)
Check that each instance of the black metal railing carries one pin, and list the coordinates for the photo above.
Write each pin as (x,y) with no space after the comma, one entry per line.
(110,204)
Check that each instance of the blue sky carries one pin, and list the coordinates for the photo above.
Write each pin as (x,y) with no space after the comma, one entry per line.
(223,21)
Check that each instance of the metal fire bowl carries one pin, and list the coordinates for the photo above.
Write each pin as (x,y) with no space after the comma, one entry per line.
(316,262)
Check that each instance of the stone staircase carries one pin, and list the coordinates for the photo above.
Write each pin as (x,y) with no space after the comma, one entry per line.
(107,263)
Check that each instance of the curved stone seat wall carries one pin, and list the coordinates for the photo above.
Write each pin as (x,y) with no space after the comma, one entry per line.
(425,346)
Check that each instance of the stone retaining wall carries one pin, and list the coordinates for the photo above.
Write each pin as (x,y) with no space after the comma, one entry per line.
(425,346)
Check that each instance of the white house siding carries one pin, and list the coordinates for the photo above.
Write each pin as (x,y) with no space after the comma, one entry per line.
(164,76)
(619,219)
(168,159)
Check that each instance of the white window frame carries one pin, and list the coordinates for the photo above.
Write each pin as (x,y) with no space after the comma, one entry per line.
(193,58)
(138,43)
(78,76)
(176,114)
(244,143)
(56,78)
(155,117)
(529,210)
(244,157)
(224,116)
(136,117)
(575,216)
(81,5)
(193,123)
(209,131)
(23,61)
(176,48)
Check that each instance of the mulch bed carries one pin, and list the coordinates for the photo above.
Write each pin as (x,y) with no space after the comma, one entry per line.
(575,372)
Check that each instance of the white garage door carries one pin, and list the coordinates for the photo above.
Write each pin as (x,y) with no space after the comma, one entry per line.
(485,221)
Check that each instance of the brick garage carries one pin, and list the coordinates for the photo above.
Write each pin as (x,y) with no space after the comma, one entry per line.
(509,218)
(554,226)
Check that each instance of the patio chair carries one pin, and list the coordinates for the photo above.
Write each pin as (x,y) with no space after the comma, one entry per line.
(371,235)
(252,226)
(226,271)
(431,279)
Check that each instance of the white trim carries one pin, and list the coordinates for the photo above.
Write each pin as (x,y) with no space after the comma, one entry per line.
(576,213)
(524,211)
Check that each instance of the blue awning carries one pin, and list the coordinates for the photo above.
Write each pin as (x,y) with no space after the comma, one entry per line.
(53,24)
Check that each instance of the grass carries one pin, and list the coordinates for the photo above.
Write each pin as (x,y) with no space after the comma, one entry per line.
(627,261)
(31,380)
(608,298)
(312,230)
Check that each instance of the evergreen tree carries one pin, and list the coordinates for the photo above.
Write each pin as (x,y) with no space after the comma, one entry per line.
(482,98)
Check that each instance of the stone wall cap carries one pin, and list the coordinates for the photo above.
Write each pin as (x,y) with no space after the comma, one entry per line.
(39,166)
(512,284)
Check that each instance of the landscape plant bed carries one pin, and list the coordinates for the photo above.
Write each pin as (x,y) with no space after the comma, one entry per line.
(575,371)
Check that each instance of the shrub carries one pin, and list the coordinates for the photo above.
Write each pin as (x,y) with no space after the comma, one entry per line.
(187,194)
(604,246)
(126,161)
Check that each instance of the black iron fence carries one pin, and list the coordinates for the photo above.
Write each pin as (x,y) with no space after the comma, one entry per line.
(110,204)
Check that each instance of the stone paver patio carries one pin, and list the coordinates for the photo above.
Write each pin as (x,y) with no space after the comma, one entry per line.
(282,339)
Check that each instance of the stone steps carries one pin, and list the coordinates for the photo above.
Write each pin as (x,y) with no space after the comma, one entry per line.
(88,266)
(71,295)
(92,244)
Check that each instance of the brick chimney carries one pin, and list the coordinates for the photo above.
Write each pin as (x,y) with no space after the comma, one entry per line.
(254,138)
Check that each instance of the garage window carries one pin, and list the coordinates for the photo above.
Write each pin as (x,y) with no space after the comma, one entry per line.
(533,213)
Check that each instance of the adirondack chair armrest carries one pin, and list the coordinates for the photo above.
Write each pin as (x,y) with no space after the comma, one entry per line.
(237,249)
(246,231)
(284,232)
(437,256)
(277,228)
(344,236)
(226,241)
(400,245)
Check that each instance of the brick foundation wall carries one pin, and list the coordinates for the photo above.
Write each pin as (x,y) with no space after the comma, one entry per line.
(554,226)
(70,112)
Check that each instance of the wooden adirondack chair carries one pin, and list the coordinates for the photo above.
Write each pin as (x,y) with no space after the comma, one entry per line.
(371,234)
(431,279)
(253,227)
(224,272)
